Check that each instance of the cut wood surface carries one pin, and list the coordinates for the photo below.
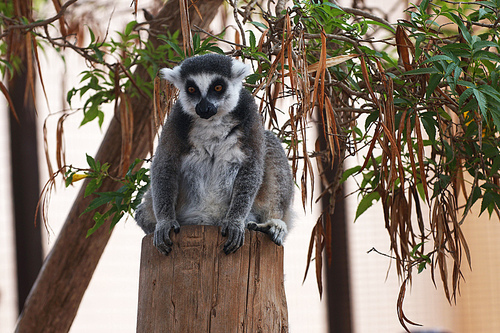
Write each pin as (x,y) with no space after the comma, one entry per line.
(198,288)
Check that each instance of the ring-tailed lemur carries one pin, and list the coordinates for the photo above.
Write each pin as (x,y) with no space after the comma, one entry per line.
(215,164)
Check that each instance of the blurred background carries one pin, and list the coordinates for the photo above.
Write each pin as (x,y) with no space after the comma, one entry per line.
(110,303)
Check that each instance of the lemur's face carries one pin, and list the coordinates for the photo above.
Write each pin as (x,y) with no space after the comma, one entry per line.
(206,93)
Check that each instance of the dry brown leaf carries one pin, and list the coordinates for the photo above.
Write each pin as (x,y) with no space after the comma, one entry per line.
(329,62)
(420,155)
(127,132)
(403,44)
(46,147)
(187,39)
(60,146)
(309,251)
(5,92)
(319,235)
(367,83)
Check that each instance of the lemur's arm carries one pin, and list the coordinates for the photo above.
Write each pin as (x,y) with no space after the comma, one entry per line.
(165,171)
(246,185)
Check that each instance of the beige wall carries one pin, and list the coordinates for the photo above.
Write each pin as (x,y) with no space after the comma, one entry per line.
(479,304)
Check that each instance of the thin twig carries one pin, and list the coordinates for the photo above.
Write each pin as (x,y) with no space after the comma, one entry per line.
(37,24)
(235,14)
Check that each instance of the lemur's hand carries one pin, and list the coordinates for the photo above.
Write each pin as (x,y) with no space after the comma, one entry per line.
(235,236)
(161,238)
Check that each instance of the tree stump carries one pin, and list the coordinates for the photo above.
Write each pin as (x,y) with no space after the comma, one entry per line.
(198,288)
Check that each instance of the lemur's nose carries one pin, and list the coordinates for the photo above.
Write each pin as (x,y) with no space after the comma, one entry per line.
(205,109)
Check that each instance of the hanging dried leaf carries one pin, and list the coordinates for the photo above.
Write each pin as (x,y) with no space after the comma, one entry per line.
(60,145)
(329,62)
(12,108)
(403,46)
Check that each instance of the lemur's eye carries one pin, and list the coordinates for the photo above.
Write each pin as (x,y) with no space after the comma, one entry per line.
(218,88)
(191,90)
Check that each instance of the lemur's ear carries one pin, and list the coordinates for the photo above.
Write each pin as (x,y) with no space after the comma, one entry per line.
(172,75)
(240,70)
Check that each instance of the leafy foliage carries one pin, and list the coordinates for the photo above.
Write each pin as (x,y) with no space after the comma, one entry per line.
(124,200)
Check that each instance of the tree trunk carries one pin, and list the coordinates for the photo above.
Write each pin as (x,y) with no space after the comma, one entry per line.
(25,178)
(338,286)
(198,288)
(66,273)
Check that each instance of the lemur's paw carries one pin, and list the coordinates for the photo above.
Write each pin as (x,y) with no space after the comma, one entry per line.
(161,238)
(235,238)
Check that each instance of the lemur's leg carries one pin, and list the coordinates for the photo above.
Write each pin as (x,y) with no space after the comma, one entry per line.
(144,214)
(271,212)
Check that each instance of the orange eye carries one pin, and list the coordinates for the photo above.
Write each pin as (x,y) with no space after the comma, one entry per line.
(218,88)
(191,90)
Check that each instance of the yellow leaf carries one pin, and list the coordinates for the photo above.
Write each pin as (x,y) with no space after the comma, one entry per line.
(77,177)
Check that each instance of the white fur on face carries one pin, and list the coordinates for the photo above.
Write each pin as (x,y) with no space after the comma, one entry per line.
(203,81)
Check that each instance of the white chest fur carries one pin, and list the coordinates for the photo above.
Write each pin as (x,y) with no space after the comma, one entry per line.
(209,170)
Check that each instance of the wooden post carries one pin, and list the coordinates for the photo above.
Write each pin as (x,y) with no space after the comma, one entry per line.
(198,288)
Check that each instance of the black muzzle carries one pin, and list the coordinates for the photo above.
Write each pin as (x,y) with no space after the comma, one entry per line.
(205,109)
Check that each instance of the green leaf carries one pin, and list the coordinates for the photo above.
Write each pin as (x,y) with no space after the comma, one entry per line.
(91,162)
(366,203)
(481,101)
(486,55)
(434,81)
(380,24)
(495,114)
(129,27)
(196,42)
(253,42)
(465,95)
(482,12)
(97,202)
(424,70)
(430,125)
(92,186)
(92,36)
(372,117)
(349,172)
(465,33)
(423,6)
(69,179)
(415,249)
(91,114)
(176,48)
(475,195)
(116,218)
(439,57)
(259,25)
(491,92)
(99,220)
(490,200)
(481,44)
